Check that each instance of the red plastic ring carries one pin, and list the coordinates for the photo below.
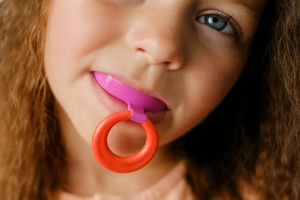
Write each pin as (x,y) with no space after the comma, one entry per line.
(116,163)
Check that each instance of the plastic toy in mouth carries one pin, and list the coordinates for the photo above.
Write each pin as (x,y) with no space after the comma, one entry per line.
(136,103)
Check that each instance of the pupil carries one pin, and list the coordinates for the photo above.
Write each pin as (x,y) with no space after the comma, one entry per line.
(215,19)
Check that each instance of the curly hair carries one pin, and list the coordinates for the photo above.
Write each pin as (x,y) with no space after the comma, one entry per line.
(256,140)
(31,151)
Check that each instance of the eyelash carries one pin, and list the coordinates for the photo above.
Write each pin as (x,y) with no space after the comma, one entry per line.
(237,29)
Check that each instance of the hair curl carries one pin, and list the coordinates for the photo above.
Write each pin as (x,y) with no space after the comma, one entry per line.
(256,140)
(31,157)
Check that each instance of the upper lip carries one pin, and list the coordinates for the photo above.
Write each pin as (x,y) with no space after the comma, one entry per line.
(149,92)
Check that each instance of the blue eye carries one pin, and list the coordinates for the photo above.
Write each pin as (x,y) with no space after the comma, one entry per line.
(217,22)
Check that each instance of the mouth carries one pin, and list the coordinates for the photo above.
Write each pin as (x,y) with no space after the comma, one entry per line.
(155,109)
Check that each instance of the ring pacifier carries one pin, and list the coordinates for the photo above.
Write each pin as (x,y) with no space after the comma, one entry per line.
(136,102)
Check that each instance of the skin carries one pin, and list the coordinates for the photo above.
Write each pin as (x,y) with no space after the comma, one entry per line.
(153,46)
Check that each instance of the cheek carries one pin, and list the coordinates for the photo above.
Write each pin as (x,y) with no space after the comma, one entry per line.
(218,75)
(212,87)
(206,84)
(221,62)
(76,28)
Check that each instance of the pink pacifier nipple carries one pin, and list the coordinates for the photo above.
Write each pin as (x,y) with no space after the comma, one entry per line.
(128,95)
(136,103)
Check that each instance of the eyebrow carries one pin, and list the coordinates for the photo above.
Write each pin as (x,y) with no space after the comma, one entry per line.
(248,5)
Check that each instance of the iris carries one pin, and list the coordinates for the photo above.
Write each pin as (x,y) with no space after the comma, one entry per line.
(215,22)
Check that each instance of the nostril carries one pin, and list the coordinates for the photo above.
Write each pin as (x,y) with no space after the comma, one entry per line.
(140,49)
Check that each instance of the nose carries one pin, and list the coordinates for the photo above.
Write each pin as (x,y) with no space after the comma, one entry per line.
(158,36)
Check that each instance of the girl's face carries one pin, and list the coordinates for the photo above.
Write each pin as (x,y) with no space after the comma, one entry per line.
(187,53)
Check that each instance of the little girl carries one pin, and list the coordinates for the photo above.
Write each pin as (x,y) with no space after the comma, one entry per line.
(226,72)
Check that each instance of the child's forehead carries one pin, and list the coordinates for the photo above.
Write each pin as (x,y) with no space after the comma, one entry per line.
(255,6)
(252,6)
(249,4)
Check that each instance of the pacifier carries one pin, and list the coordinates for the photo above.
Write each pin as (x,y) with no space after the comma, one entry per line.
(136,102)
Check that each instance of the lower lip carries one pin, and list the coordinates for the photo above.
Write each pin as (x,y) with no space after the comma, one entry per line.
(113,104)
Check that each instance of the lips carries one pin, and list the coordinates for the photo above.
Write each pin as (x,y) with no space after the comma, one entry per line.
(114,95)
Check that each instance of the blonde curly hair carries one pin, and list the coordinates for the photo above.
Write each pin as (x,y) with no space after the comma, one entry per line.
(31,157)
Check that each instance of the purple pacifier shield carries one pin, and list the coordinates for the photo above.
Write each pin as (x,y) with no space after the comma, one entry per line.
(128,95)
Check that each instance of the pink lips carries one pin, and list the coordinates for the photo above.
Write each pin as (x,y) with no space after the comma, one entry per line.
(128,95)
